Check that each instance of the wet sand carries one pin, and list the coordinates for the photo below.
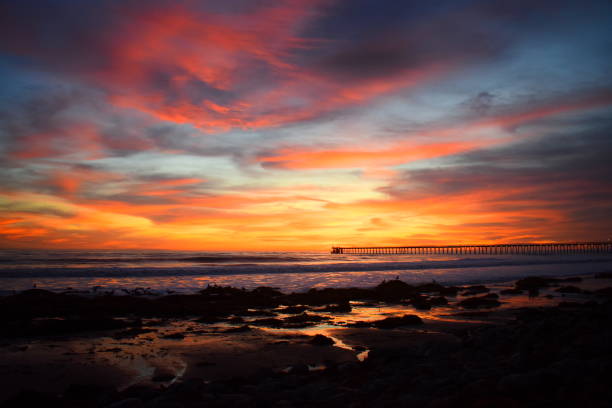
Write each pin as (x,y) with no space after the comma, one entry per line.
(265,343)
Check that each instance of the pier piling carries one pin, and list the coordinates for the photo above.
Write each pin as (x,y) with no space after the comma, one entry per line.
(497,249)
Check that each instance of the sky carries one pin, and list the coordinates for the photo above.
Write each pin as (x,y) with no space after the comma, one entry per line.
(274,125)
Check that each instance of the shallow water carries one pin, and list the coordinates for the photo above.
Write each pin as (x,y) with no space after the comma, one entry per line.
(184,271)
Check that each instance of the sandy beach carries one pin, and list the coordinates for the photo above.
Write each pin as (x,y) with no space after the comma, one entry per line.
(507,344)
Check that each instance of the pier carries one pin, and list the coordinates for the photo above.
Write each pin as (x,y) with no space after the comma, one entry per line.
(497,249)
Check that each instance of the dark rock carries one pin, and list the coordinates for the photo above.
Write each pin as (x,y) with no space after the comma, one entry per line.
(344,307)
(294,309)
(420,302)
(393,322)
(131,333)
(438,301)
(394,290)
(511,291)
(476,302)
(305,318)
(268,322)
(568,289)
(321,340)
(475,290)
(607,292)
(574,279)
(127,403)
(435,287)
(359,324)
(174,336)
(240,329)
(163,375)
(31,398)
(249,312)
(299,369)
(532,282)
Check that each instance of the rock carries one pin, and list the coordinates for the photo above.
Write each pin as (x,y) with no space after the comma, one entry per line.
(321,340)
(475,290)
(163,375)
(299,369)
(607,292)
(305,318)
(532,282)
(127,403)
(31,398)
(394,290)
(476,302)
(438,301)
(393,322)
(511,292)
(174,336)
(293,309)
(268,322)
(240,329)
(359,324)
(568,289)
(344,307)
(420,302)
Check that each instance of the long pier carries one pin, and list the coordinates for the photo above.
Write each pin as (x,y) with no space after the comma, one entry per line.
(497,249)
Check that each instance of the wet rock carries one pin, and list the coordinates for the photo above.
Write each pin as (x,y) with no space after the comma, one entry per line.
(532,282)
(31,398)
(162,374)
(240,329)
(305,318)
(511,291)
(142,392)
(294,309)
(131,333)
(574,279)
(394,290)
(475,290)
(174,336)
(420,302)
(393,322)
(476,302)
(607,292)
(435,287)
(359,324)
(250,312)
(344,307)
(127,403)
(568,289)
(321,340)
(268,322)
(299,369)
(438,301)
(208,319)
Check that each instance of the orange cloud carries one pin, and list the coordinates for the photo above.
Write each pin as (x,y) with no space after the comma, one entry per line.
(296,158)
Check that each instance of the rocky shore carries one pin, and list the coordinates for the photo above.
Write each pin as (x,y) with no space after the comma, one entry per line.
(536,342)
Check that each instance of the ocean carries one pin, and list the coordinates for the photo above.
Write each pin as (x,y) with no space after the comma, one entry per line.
(187,271)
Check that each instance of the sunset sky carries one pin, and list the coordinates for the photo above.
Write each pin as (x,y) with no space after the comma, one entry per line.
(300,124)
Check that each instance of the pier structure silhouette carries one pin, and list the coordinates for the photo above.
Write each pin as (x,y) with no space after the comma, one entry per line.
(484,249)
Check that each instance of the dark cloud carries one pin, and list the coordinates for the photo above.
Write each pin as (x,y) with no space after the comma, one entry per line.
(567,171)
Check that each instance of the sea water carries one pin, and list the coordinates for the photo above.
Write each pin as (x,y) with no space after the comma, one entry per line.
(188,271)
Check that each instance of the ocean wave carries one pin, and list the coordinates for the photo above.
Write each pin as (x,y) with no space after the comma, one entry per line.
(250,269)
(160,259)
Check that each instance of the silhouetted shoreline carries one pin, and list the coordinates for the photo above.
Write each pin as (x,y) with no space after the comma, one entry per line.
(538,341)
